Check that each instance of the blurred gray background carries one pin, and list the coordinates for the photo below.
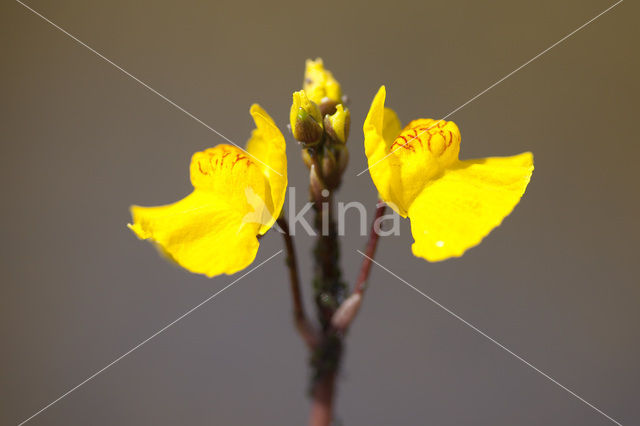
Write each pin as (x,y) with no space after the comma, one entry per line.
(557,283)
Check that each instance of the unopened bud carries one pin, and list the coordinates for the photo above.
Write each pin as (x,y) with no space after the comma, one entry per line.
(305,119)
(342,157)
(337,125)
(306,158)
(306,129)
(327,106)
(301,100)
(319,83)
(346,312)
(329,166)
(316,185)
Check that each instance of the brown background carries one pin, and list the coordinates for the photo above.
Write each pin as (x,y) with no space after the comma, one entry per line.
(557,283)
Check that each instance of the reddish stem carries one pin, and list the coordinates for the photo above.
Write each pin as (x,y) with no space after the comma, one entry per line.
(306,330)
(322,405)
(370,251)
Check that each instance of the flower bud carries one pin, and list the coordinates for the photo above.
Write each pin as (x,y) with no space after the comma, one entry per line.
(319,83)
(306,129)
(337,125)
(329,168)
(316,185)
(305,119)
(301,101)
(306,158)
(327,106)
(344,315)
(342,157)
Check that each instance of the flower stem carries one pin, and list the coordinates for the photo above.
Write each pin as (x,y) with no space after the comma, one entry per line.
(306,330)
(329,291)
(322,405)
(348,310)
(328,285)
(370,250)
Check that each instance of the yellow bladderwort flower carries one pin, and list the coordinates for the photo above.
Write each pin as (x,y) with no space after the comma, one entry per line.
(452,204)
(236,197)
(320,85)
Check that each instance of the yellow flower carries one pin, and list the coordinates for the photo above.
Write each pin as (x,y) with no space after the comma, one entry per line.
(237,196)
(320,84)
(452,204)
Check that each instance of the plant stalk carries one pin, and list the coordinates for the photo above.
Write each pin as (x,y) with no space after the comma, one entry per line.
(305,329)
(329,291)
(370,251)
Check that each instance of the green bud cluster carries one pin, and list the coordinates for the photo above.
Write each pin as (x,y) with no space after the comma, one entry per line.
(322,130)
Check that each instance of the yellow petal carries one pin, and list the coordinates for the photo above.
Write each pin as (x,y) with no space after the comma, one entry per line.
(214,229)
(319,83)
(268,145)
(228,173)
(391,125)
(420,153)
(456,211)
(403,161)
(380,129)
(200,232)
